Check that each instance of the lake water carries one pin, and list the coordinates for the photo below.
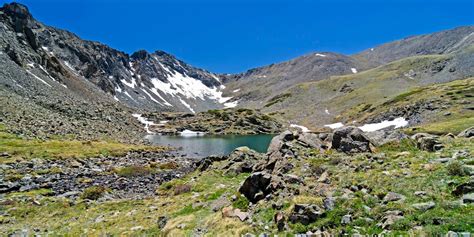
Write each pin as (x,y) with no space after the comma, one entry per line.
(206,145)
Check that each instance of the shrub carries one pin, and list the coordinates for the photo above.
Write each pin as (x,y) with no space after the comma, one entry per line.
(455,168)
(93,192)
(242,203)
(182,188)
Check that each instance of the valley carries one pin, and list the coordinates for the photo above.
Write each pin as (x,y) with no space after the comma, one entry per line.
(94,141)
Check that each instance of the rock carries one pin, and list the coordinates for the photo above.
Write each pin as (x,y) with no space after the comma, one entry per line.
(424,206)
(467,133)
(329,203)
(392,197)
(452,234)
(324,178)
(468,198)
(429,143)
(242,160)
(241,215)
(465,188)
(305,213)
(4,154)
(292,179)
(461,154)
(219,203)
(390,218)
(279,220)
(312,141)
(346,219)
(350,140)
(420,193)
(385,136)
(260,184)
(231,212)
(162,220)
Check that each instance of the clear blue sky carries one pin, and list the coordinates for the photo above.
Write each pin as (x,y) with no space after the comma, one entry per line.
(233,36)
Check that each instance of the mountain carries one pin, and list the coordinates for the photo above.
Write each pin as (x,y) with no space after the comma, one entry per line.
(153,81)
(78,83)
(256,87)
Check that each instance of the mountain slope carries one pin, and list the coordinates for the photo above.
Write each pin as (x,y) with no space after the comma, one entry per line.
(323,102)
(153,81)
(257,87)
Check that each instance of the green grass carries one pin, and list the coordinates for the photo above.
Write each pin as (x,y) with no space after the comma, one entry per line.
(454,126)
(23,148)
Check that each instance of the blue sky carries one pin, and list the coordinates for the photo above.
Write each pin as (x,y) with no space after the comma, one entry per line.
(233,36)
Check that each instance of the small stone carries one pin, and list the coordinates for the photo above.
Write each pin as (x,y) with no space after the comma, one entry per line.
(468,198)
(346,219)
(392,197)
(135,228)
(4,154)
(424,206)
(451,234)
(420,193)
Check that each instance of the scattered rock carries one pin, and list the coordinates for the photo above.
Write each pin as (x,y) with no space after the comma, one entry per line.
(465,188)
(231,212)
(279,220)
(424,206)
(162,220)
(350,140)
(346,219)
(468,198)
(427,142)
(305,213)
(260,184)
(392,197)
(467,133)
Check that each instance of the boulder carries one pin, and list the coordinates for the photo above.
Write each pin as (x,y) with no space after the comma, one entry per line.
(467,187)
(467,133)
(427,142)
(312,141)
(468,198)
(231,212)
(260,184)
(242,160)
(385,136)
(350,140)
(305,213)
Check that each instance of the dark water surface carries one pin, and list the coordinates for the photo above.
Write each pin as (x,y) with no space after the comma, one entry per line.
(206,145)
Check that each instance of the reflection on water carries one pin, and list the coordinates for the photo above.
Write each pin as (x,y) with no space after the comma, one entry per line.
(203,146)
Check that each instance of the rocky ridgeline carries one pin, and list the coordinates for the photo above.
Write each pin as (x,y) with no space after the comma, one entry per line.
(228,121)
(273,177)
(136,175)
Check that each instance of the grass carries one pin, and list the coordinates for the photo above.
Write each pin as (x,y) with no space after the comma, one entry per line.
(404,169)
(454,126)
(23,148)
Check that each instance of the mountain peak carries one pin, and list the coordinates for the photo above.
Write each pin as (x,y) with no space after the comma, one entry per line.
(16,9)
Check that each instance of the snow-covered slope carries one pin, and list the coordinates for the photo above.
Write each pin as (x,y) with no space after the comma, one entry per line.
(153,81)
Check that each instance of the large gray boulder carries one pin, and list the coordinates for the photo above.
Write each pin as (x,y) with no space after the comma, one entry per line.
(467,133)
(350,140)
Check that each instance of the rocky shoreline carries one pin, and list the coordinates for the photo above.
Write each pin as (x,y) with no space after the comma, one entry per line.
(226,121)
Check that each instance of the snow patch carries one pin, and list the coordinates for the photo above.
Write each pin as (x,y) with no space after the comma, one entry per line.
(151,97)
(320,55)
(303,128)
(130,84)
(187,105)
(334,125)
(43,81)
(326,111)
(145,122)
(231,104)
(236,90)
(189,133)
(398,123)
(354,70)
(116,99)
(371,127)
